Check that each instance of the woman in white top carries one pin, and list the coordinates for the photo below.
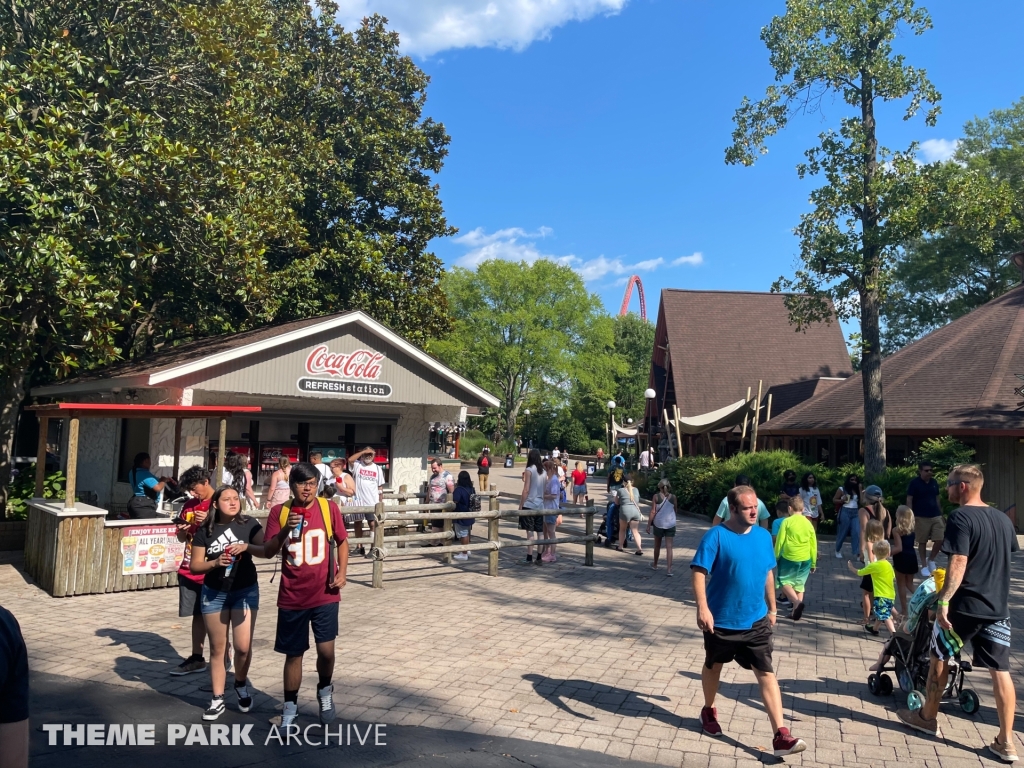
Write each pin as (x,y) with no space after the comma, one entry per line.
(811,494)
(663,520)
(532,498)
(847,501)
(278,491)
(552,503)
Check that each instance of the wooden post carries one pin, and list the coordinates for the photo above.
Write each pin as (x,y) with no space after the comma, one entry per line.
(743,434)
(588,557)
(757,419)
(492,535)
(711,447)
(402,502)
(679,437)
(222,446)
(378,545)
(447,556)
(44,428)
(768,415)
(177,448)
(664,420)
(72,476)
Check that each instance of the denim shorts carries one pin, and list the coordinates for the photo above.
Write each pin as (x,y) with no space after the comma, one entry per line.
(460,531)
(247,599)
(550,519)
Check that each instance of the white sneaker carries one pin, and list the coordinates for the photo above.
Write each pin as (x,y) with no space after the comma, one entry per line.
(289,713)
(839,555)
(925,572)
(461,556)
(326,698)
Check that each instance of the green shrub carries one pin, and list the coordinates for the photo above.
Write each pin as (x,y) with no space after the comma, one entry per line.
(691,478)
(471,443)
(569,434)
(23,488)
(943,452)
(596,445)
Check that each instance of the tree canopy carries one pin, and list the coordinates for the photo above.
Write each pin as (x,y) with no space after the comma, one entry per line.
(871,202)
(521,330)
(978,224)
(171,170)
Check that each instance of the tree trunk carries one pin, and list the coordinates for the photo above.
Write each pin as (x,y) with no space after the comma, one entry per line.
(12,390)
(871,378)
(871,349)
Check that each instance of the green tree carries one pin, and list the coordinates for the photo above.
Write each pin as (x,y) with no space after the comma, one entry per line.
(872,200)
(520,330)
(979,222)
(171,170)
(634,343)
(100,191)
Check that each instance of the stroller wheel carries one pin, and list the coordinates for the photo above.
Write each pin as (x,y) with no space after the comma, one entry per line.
(873,685)
(915,700)
(884,685)
(969,701)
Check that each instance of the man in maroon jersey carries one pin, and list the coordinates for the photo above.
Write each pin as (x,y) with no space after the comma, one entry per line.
(310,592)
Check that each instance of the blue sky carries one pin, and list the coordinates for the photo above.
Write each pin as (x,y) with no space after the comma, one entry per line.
(594,130)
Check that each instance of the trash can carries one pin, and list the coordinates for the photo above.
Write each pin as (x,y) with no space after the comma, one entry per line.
(510,461)
(591,467)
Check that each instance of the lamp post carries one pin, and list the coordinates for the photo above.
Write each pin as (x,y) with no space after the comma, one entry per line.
(649,395)
(611,429)
(526,413)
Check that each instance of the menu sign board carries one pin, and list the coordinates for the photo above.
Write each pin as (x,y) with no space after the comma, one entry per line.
(150,549)
(351,374)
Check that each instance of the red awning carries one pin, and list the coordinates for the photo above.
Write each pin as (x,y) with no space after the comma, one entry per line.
(113,411)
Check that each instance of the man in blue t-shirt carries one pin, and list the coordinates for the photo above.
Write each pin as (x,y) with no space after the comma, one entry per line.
(735,590)
(929,525)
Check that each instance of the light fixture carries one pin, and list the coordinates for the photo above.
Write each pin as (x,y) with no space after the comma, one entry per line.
(526,412)
(611,405)
(650,394)
(629,421)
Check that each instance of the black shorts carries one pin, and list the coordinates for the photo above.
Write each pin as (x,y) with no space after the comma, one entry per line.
(190,595)
(750,648)
(293,628)
(533,523)
(867,585)
(990,640)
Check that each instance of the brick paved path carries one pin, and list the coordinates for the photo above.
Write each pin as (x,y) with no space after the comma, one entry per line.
(604,658)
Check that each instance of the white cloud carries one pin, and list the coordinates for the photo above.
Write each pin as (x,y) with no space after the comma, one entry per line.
(694,259)
(938,150)
(429,26)
(517,244)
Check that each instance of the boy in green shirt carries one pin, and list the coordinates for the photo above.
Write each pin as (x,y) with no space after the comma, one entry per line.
(796,552)
(883,580)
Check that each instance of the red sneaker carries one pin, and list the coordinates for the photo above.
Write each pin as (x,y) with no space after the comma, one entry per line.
(784,744)
(709,721)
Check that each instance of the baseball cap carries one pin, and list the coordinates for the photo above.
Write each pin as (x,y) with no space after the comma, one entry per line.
(872,493)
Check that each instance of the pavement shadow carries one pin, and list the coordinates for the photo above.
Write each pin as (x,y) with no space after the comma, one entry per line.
(618,701)
(743,692)
(149,644)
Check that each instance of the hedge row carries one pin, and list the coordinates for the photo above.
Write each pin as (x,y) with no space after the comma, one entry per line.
(700,482)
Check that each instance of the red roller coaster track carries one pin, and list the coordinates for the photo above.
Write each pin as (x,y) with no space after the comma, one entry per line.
(635,279)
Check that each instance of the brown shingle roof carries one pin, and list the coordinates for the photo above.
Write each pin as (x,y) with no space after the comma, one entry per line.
(721,342)
(960,377)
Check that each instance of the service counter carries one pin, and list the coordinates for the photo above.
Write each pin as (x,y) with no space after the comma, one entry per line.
(79,552)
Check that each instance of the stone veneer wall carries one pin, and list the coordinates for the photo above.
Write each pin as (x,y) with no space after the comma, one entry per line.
(410,441)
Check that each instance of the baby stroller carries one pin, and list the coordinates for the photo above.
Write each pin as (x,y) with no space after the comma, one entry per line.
(910,661)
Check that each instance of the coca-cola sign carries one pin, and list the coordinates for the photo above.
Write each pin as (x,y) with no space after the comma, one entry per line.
(359,373)
(362,364)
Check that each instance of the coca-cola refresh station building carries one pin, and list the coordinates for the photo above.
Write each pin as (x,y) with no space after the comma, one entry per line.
(329,384)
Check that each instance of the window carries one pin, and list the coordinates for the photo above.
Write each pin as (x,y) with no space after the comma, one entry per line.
(134,440)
